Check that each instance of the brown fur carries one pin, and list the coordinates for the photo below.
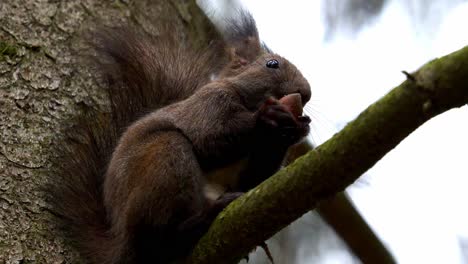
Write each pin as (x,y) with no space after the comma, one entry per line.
(141,199)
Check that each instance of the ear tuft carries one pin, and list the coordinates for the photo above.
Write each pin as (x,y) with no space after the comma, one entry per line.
(241,34)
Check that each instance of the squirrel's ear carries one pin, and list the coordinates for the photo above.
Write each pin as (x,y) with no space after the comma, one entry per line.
(241,37)
(247,49)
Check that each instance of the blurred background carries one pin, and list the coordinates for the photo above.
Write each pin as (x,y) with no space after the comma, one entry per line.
(352,52)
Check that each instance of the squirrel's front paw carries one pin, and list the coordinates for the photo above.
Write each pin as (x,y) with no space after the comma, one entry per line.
(224,200)
(276,120)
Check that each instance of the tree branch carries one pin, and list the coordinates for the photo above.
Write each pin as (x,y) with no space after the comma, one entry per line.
(340,213)
(438,86)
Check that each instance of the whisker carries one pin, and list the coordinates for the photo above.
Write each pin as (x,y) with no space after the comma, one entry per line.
(323,122)
(321,126)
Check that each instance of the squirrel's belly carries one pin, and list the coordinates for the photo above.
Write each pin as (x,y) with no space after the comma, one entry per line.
(223,179)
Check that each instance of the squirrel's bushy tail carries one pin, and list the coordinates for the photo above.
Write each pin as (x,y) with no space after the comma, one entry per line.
(145,72)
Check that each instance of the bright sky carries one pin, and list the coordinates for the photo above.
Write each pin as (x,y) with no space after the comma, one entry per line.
(414,197)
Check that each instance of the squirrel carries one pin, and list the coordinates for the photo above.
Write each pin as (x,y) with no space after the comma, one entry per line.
(130,189)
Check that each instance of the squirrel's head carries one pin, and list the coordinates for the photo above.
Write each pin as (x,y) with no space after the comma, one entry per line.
(256,72)
(269,75)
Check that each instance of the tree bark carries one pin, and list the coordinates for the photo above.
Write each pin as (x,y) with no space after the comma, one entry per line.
(438,86)
(43,85)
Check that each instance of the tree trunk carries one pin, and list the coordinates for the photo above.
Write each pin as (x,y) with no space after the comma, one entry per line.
(43,85)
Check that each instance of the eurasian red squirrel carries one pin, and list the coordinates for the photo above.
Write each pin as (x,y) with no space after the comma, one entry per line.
(132,192)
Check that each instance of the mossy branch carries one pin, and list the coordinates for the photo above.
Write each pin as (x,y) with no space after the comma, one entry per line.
(436,87)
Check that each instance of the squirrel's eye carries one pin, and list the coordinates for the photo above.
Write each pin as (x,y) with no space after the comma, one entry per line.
(274,64)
